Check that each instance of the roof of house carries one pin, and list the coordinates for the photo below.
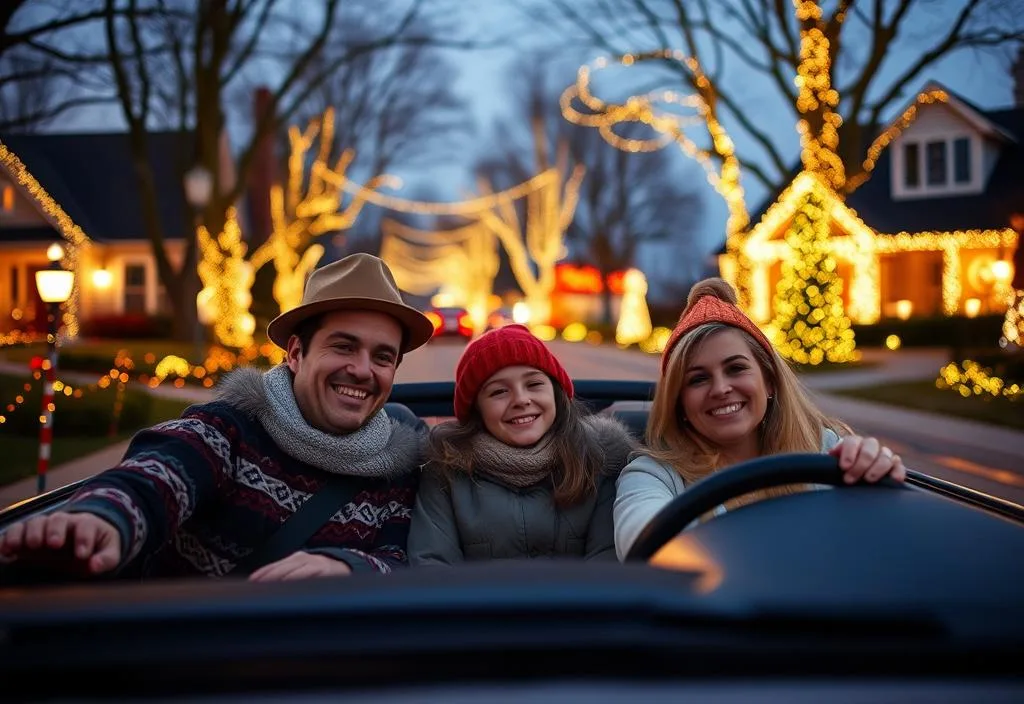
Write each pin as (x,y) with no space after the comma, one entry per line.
(1004,193)
(989,210)
(90,175)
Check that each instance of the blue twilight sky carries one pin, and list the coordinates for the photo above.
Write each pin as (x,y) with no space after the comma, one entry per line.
(486,77)
(983,78)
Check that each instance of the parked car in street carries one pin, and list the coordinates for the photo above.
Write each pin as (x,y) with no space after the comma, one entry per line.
(451,321)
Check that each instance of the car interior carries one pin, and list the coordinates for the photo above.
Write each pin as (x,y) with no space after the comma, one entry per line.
(863,593)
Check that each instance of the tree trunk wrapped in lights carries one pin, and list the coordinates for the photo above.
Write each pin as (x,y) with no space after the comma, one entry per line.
(533,254)
(810,325)
(299,217)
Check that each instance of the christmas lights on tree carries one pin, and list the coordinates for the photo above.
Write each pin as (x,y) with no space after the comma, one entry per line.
(227,279)
(810,325)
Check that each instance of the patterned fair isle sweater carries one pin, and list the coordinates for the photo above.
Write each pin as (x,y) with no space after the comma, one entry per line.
(195,495)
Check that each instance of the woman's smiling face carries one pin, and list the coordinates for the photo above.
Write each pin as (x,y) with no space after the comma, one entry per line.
(517,405)
(725,394)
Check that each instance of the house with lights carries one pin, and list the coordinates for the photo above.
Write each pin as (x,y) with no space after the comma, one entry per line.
(79,190)
(929,232)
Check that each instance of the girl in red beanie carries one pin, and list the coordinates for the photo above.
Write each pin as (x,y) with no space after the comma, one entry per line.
(523,471)
(726,396)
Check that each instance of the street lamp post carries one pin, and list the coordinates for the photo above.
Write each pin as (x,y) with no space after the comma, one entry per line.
(198,184)
(54,285)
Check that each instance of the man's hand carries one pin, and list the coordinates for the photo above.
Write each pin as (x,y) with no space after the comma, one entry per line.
(301,565)
(71,542)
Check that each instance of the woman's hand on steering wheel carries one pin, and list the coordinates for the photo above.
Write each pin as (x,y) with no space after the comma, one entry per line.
(867,459)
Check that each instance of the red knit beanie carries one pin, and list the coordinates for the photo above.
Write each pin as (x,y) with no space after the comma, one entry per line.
(496,349)
(712,301)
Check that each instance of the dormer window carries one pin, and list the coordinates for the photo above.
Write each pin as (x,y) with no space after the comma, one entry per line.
(962,160)
(935,153)
(936,165)
(911,165)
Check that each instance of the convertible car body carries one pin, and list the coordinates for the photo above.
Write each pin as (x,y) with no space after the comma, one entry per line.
(867,593)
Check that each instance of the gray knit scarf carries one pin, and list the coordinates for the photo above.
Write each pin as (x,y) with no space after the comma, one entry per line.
(514,466)
(381,448)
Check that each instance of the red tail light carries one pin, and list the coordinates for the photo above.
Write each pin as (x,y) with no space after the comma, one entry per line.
(435,320)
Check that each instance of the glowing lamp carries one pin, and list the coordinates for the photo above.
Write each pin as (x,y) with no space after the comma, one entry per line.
(1002,271)
(101,278)
(972,306)
(198,187)
(521,313)
(55,285)
(54,252)
(904,308)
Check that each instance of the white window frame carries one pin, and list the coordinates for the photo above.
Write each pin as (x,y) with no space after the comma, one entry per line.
(147,288)
(899,187)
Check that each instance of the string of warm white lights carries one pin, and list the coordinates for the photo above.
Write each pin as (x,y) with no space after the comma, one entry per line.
(810,325)
(533,254)
(669,128)
(860,246)
(972,379)
(227,281)
(892,132)
(67,228)
(469,207)
(817,101)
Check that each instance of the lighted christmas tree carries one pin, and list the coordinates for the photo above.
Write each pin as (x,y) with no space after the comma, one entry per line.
(1013,325)
(810,325)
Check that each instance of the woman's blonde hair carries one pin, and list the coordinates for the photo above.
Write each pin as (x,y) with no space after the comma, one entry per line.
(792,423)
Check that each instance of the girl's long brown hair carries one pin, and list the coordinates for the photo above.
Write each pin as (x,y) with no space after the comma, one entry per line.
(578,458)
(792,423)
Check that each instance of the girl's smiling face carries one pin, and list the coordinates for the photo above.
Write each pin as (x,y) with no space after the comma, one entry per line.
(517,405)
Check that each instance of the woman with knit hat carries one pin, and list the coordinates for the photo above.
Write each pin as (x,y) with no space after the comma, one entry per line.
(726,396)
(522,471)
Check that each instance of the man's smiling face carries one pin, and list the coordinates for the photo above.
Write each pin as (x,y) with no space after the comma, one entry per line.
(346,374)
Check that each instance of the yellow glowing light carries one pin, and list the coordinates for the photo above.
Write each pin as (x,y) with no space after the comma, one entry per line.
(521,313)
(544,332)
(1002,271)
(101,279)
(1013,324)
(669,128)
(227,279)
(71,232)
(972,306)
(574,332)
(858,245)
(634,324)
(810,324)
(893,342)
(971,379)
(904,309)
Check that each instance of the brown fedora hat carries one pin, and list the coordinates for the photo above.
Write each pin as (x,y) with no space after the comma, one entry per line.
(357,282)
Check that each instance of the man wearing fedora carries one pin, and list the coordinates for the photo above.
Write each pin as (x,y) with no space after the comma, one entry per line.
(290,473)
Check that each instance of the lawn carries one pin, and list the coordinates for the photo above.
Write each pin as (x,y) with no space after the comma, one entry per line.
(925,396)
(832,367)
(107,349)
(81,425)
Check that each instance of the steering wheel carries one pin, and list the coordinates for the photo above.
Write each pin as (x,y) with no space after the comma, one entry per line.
(740,479)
